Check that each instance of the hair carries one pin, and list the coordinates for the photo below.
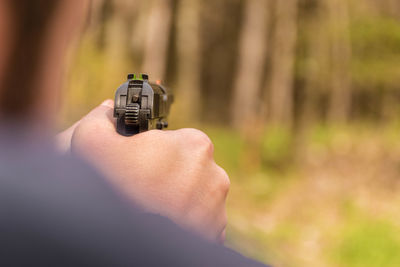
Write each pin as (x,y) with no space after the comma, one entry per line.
(30,21)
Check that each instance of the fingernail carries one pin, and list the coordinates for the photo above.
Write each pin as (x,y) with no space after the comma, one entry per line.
(108,103)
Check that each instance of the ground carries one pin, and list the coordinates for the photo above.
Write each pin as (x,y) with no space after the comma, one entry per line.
(329,199)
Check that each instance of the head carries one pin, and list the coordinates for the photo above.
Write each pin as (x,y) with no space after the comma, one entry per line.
(35,37)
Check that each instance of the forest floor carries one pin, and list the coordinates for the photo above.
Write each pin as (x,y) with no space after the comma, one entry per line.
(329,199)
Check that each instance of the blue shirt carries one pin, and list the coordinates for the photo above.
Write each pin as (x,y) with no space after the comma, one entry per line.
(58,211)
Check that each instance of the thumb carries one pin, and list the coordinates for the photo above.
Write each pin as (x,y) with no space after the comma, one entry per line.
(105,109)
(102,114)
(108,103)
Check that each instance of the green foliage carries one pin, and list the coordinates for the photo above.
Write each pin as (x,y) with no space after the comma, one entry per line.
(374,36)
(369,243)
(376,51)
(322,135)
(276,147)
(228,147)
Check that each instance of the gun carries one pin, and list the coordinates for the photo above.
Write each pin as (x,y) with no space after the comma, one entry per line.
(141,106)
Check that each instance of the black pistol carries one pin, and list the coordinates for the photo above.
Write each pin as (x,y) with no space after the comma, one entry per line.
(141,106)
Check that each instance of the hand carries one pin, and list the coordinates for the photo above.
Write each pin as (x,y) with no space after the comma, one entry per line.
(172,173)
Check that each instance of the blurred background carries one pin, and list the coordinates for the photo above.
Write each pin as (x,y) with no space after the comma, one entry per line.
(300,98)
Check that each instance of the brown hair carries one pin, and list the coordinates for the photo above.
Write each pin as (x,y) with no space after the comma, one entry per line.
(30,20)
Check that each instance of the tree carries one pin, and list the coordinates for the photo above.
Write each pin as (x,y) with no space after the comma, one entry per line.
(282,63)
(315,62)
(189,59)
(250,69)
(340,100)
(157,38)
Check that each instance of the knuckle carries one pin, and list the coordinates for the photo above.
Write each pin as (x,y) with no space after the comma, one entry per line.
(207,147)
(224,181)
(152,138)
(152,134)
(199,140)
(226,184)
(192,133)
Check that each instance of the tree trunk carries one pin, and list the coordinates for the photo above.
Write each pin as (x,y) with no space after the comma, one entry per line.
(283,59)
(189,60)
(138,35)
(220,21)
(157,39)
(250,70)
(317,67)
(247,84)
(116,40)
(96,8)
(340,101)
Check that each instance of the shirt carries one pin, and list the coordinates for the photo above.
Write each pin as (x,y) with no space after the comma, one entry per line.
(59,211)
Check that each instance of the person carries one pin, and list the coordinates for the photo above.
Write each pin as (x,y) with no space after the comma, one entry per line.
(155,199)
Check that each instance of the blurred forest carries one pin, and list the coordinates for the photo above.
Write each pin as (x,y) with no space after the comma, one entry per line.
(300,98)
